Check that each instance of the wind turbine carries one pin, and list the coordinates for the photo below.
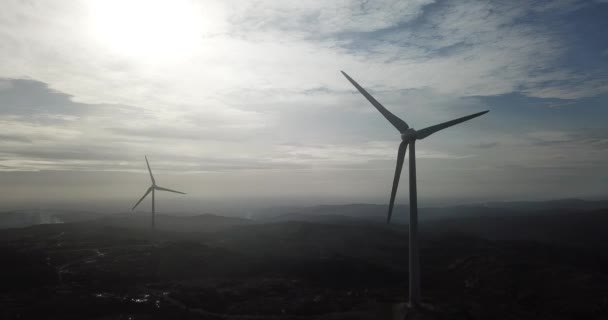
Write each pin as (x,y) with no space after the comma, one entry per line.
(409,137)
(152,188)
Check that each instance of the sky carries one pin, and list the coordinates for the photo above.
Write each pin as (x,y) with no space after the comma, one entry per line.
(242,104)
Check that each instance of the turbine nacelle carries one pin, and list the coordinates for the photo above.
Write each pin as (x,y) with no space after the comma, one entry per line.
(408,135)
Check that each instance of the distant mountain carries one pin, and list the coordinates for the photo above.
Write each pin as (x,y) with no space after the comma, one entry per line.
(313,217)
(328,214)
(178,223)
(562,204)
(366,213)
(350,213)
(196,223)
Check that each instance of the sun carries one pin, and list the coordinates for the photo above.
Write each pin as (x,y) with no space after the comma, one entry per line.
(146,29)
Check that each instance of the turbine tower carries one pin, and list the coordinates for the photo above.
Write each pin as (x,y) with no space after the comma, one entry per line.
(409,137)
(152,188)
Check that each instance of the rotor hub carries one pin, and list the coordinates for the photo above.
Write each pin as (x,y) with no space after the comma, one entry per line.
(409,134)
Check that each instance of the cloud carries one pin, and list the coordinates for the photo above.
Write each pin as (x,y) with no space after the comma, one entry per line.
(259,90)
(102,137)
(14,138)
(465,48)
(29,97)
(487,145)
(322,17)
(573,88)
(595,137)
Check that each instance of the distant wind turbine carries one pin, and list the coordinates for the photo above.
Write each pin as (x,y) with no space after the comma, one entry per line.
(409,136)
(152,188)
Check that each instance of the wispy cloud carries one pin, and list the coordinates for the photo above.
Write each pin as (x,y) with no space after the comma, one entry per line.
(487,145)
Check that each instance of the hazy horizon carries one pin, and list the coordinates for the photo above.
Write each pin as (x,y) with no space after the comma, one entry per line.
(247,207)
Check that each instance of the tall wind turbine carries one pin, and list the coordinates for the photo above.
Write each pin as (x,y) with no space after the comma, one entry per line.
(152,188)
(409,137)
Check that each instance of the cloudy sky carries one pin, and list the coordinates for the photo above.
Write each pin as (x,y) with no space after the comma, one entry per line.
(242,103)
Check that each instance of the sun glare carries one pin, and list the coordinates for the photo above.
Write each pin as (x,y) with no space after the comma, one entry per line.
(146,29)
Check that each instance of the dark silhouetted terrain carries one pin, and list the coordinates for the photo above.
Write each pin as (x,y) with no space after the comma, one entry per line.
(490,261)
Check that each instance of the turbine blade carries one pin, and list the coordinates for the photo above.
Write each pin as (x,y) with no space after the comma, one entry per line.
(400,157)
(142,198)
(397,123)
(165,189)
(150,170)
(421,134)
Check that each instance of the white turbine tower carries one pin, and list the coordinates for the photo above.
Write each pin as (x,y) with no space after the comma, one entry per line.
(409,137)
(152,188)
